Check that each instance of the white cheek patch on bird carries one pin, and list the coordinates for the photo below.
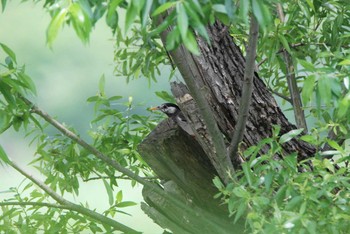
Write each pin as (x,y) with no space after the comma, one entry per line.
(174,112)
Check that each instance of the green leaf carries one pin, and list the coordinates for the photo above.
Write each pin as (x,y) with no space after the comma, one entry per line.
(5,121)
(112,14)
(55,25)
(101,85)
(308,66)
(191,43)
(240,211)
(131,14)
(182,20)
(119,196)
(220,8)
(163,8)
(3,4)
(81,21)
(324,89)
(3,156)
(284,42)
(289,135)
(261,13)
(248,173)
(28,82)
(125,204)
(109,192)
(343,106)
(172,39)
(308,89)
(344,62)
(145,12)
(9,52)
(217,182)
(165,96)
(243,10)
(294,202)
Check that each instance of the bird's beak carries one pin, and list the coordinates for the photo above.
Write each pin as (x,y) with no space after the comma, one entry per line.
(154,108)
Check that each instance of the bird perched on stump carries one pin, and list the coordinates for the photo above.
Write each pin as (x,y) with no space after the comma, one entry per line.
(174,112)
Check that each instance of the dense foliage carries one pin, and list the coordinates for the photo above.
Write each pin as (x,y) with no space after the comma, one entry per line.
(274,196)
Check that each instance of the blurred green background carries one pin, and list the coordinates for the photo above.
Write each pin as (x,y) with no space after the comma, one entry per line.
(66,76)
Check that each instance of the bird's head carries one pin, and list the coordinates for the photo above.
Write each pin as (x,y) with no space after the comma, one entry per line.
(169,109)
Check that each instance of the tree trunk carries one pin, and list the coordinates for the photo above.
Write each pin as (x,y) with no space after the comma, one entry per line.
(191,163)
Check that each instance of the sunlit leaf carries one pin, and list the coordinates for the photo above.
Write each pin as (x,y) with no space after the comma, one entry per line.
(261,12)
(308,89)
(191,43)
(324,89)
(9,52)
(163,8)
(289,135)
(182,20)
(109,192)
(3,4)
(130,17)
(3,156)
(145,12)
(125,204)
(55,24)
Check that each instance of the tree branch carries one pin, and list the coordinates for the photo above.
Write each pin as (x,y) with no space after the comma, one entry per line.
(247,88)
(154,187)
(43,204)
(292,83)
(71,206)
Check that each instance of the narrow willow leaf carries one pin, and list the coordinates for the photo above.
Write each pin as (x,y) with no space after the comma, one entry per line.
(289,135)
(308,66)
(102,84)
(3,156)
(55,25)
(308,89)
(109,192)
(324,89)
(191,43)
(126,204)
(343,106)
(182,20)
(3,4)
(284,42)
(243,10)
(261,12)
(248,173)
(131,14)
(5,121)
(163,8)
(9,52)
(112,14)
(119,196)
(81,21)
(217,182)
(145,12)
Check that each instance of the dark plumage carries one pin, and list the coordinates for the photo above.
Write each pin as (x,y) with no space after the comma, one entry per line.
(173,111)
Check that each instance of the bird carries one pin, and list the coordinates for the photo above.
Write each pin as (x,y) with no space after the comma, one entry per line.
(174,112)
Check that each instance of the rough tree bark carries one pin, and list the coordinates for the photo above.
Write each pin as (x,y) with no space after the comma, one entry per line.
(190,163)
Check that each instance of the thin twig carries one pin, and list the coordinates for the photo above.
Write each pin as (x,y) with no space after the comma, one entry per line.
(281,95)
(71,206)
(292,82)
(171,197)
(281,51)
(247,88)
(119,177)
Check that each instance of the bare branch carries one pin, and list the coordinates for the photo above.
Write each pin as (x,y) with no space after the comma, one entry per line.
(292,83)
(247,88)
